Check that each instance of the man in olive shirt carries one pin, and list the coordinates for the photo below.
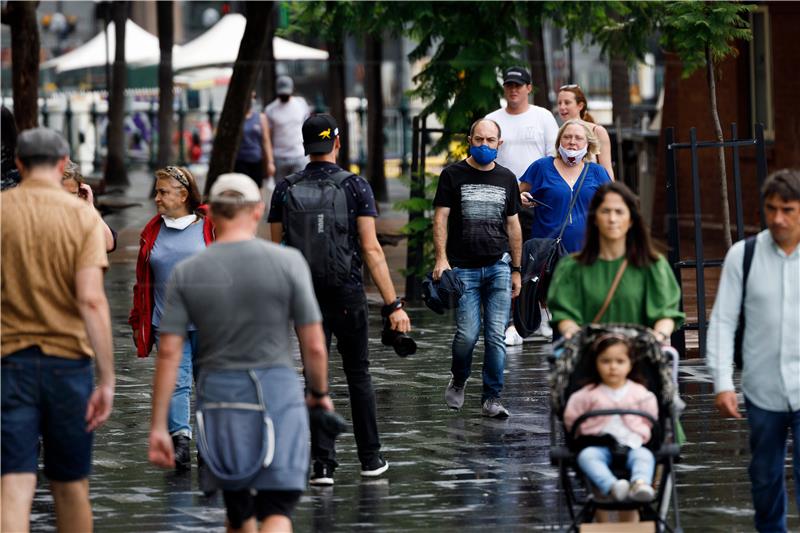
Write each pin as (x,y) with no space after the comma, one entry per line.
(55,320)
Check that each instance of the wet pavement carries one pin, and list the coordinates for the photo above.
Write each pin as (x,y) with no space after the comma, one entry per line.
(449,471)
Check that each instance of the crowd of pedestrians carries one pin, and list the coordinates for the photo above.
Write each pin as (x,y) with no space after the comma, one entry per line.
(221,306)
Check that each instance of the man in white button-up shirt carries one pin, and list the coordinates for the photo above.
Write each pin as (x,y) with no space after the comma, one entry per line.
(770,349)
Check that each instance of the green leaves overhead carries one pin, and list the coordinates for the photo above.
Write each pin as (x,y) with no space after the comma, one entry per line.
(690,26)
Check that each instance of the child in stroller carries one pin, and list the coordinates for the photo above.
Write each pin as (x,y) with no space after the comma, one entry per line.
(648,411)
(613,385)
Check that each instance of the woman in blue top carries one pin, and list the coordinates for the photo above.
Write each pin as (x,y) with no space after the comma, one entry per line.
(549,183)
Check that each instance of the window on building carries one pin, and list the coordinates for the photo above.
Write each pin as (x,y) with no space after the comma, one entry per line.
(761,108)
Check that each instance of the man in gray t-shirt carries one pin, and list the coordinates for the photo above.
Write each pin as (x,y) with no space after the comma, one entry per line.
(243,295)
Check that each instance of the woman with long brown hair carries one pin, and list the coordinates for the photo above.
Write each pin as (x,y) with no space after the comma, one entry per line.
(617,244)
(572,104)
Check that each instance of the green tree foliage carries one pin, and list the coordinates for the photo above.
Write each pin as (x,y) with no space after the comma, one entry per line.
(690,27)
(467,44)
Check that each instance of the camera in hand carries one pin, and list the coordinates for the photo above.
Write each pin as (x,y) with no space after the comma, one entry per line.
(403,344)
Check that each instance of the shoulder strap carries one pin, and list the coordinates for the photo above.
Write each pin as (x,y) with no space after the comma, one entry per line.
(749,251)
(340,175)
(574,199)
(611,291)
(294,178)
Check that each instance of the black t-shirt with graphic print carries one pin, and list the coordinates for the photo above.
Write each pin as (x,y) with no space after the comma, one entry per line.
(480,202)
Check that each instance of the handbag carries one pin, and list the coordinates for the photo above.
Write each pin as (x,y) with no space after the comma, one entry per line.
(539,259)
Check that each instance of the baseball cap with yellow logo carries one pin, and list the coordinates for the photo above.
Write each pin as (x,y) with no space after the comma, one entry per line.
(319,131)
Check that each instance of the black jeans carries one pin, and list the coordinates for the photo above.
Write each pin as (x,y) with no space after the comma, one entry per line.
(347,318)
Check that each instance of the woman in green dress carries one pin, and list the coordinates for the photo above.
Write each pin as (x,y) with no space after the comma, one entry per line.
(647,294)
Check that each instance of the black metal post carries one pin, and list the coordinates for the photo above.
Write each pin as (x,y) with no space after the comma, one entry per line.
(404,129)
(45,114)
(414,251)
(362,151)
(181,119)
(68,123)
(761,169)
(96,161)
(737,185)
(151,117)
(212,113)
(673,229)
(698,247)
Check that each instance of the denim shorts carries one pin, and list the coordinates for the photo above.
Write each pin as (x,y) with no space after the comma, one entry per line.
(46,397)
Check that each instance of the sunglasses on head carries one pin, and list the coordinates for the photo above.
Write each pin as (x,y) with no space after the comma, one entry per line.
(570,86)
(175,173)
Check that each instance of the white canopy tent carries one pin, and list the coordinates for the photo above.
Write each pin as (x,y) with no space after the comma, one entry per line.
(220,46)
(140,49)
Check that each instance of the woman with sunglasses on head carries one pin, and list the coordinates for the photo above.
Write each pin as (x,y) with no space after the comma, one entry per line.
(572,104)
(179,230)
(549,186)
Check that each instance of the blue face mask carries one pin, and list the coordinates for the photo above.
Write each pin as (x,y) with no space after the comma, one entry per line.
(482,154)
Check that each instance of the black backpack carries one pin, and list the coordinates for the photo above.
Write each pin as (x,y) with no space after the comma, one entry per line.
(738,341)
(316,222)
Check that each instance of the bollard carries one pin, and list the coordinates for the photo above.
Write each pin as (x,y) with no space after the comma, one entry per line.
(45,114)
(68,123)
(93,115)
(151,117)
(181,147)
(212,113)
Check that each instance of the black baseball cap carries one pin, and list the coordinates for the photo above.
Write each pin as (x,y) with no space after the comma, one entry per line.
(41,142)
(319,133)
(517,75)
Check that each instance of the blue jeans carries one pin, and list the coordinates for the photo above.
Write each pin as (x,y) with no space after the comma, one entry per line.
(488,289)
(595,462)
(768,433)
(180,406)
(45,396)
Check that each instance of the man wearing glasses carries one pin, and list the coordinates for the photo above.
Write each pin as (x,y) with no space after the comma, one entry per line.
(476,233)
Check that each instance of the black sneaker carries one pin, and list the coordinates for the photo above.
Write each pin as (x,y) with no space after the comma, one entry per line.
(183,452)
(322,475)
(375,467)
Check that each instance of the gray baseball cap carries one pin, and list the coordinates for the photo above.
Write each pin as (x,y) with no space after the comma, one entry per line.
(41,142)
(284,85)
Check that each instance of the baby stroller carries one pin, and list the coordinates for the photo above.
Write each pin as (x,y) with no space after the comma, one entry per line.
(658,368)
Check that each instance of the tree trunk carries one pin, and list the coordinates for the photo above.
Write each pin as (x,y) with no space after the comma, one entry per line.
(166,120)
(620,92)
(541,89)
(115,172)
(723,175)
(268,74)
(21,17)
(375,142)
(336,92)
(237,100)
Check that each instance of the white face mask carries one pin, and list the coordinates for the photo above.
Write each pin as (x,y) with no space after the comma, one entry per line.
(572,157)
(179,223)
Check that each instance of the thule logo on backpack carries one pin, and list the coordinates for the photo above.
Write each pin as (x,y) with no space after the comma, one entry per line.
(321,223)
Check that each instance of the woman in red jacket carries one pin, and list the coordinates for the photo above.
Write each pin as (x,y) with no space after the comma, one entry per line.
(179,230)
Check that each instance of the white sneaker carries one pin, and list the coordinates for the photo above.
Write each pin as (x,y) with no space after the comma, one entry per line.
(544,330)
(642,492)
(512,337)
(619,490)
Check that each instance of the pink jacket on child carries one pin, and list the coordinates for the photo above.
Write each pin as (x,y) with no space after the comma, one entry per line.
(593,398)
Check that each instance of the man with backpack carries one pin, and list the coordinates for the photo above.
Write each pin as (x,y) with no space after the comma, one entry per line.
(329,215)
(759,289)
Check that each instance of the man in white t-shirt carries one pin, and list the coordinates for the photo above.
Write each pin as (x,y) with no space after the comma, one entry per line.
(529,133)
(286,115)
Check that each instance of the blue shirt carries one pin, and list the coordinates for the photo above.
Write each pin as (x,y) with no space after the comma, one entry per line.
(549,187)
(251,149)
(171,247)
(771,344)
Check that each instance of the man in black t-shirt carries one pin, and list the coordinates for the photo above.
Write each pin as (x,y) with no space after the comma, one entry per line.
(344,307)
(476,231)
